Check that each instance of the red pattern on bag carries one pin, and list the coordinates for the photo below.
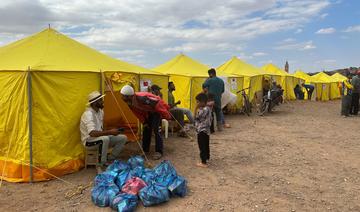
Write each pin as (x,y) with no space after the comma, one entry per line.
(133,186)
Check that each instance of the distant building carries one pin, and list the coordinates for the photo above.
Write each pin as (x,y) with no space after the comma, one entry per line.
(287,67)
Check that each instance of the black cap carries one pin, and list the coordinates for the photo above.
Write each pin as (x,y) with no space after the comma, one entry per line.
(155,88)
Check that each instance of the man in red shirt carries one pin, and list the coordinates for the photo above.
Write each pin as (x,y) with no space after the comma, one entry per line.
(149,109)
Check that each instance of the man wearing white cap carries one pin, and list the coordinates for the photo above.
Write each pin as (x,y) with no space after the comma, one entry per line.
(92,133)
(149,109)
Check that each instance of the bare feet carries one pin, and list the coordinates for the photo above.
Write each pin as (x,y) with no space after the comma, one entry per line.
(203,165)
(227,126)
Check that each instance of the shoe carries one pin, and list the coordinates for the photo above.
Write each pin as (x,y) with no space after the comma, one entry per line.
(157,156)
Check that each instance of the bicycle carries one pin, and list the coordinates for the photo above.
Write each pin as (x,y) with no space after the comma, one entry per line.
(247,105)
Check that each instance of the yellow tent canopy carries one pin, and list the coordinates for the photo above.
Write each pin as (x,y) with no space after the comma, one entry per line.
(338,77)
(252,75)
(188,76)
(302,75)
(45,80)
(327,87)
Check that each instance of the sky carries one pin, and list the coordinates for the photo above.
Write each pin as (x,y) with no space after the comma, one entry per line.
(313,35)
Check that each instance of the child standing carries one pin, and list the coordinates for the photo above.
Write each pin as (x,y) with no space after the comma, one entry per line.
(202,125)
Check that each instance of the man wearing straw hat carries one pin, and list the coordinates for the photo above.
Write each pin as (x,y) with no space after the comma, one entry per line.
(92,133)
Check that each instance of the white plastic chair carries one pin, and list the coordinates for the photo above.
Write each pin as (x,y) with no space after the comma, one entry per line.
(165,124)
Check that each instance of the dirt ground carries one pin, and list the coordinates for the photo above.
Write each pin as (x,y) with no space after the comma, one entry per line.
(302,157)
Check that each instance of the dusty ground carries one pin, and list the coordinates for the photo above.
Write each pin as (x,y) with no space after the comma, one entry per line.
(303,157)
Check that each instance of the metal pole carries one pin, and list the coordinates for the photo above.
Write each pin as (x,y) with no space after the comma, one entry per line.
(30,122)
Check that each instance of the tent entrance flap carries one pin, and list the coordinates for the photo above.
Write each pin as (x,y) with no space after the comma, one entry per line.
(113,118)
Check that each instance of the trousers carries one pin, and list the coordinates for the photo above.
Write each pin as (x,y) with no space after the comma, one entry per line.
(104,142)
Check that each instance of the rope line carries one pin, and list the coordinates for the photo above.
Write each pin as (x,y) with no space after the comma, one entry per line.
(126,119)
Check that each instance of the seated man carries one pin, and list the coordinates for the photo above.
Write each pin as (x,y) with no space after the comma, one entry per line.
(266,87)
(92,133)
(156,90)
(173,104)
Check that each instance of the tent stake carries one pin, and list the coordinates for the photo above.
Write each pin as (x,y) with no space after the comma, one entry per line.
(30,122)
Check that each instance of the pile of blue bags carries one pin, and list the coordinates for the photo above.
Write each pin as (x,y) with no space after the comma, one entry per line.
(123,184)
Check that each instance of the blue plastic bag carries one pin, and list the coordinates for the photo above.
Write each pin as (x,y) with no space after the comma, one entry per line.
(178,187)
(136,161)
(165,180)
(122,177)
(137,171)
(105,178)
(148,176)
(165,168)
(124,202)
(154,194)
(103,195)
(165,173)
(117,166)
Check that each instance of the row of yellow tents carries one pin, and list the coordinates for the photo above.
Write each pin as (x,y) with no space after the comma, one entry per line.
(326,87)
(44,82)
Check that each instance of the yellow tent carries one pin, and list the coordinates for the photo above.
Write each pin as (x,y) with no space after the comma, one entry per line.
(302,75)
(338,77)
(252,75)
(286,80)
(326,87)
(188,76)
(45,80)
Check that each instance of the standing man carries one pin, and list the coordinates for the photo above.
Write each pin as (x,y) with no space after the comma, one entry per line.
(355,82)
(149,109)
(346,92)
(92,133)
(216,87)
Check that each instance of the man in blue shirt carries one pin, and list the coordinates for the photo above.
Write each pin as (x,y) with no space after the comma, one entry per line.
(215,86)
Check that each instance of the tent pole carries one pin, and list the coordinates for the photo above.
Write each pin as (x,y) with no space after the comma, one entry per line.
(101,82)
(191,84)
(30,122)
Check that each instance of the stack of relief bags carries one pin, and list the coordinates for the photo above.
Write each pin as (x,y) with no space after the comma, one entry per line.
(123,184)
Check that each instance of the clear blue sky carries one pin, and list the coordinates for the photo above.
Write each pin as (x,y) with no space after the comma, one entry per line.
(311,34)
